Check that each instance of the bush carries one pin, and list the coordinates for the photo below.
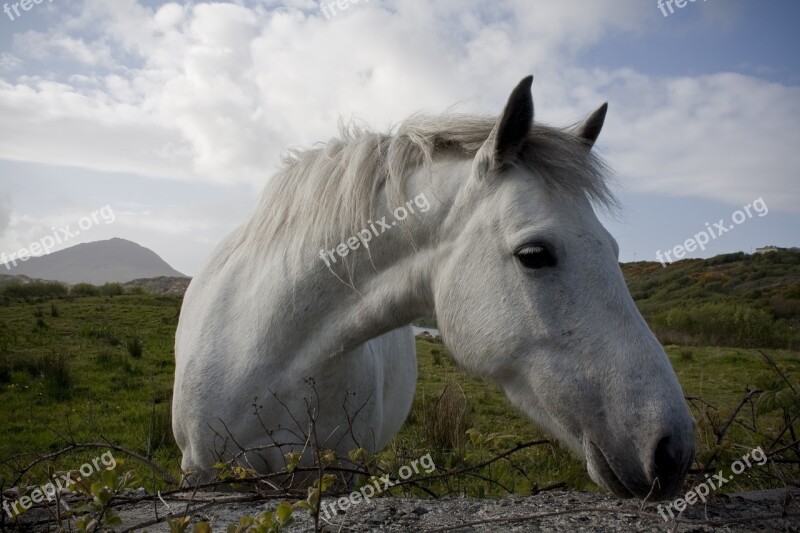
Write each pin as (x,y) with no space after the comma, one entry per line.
(160,434)
(785,307)
(84,289)
(722,324)
(111,289)
(724,258)
(135,346)
(57,377)
(447,421)
(36,289)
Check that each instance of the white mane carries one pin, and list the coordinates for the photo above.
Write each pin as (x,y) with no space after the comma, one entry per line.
(336,185)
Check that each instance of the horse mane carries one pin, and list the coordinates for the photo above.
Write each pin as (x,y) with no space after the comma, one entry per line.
(336,184)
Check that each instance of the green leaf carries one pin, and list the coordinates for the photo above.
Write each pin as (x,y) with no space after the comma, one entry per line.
(202,527)
(283,511)
(112,518)
(109,478)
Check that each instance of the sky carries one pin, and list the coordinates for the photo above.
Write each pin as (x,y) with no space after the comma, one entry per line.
(176,114)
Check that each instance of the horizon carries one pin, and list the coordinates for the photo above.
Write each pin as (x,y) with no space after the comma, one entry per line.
(175,116)
(5,264)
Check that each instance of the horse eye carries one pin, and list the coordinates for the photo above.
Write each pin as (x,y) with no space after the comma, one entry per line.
(535,256)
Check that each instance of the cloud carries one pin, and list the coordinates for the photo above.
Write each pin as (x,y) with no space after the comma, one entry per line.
(216,91)
(5,211)
(42,46)
(722,136)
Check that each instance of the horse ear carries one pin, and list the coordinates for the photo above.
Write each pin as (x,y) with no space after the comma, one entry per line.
(515,122)
(589,129)
(509,134)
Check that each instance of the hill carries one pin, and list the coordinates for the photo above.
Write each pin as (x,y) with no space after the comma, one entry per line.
(110,261)
(733,299)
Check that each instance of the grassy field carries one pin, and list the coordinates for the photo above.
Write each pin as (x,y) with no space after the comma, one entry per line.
(100,369)
(78,376)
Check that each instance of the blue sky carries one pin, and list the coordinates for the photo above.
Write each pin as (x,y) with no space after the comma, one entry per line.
(176,114)
(750,37)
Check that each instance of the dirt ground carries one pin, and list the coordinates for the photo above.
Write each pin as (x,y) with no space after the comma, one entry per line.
(769,511)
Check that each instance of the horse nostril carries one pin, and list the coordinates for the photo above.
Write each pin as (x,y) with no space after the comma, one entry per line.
(670,464)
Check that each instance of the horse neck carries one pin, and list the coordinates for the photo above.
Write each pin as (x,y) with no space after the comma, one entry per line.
(383,287)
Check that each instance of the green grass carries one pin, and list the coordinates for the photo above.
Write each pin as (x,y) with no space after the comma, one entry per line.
(720,376)
(102,368)
(87,386)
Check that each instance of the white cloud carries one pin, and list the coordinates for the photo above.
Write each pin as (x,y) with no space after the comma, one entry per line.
(723,136)
(216,91)
(41,46)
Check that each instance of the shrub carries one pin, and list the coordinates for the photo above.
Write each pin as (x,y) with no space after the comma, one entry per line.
(135,346)
(36,289)
(725,258)
(53,310)
(84,289)
(722,324)
(57,377)
(785,307)
(447,421)
(111,289)
(160,432)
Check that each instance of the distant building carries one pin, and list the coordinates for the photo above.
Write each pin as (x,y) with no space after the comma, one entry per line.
(768,249)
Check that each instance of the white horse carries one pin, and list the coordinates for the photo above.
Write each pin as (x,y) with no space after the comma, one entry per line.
(487,222)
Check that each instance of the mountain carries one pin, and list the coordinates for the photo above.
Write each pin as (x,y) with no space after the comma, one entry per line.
(112,261)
